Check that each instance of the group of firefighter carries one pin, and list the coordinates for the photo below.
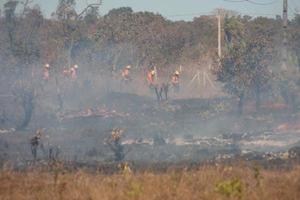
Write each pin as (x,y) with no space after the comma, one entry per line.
(160,88)
(67,72)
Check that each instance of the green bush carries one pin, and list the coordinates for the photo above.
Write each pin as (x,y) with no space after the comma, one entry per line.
(230,188)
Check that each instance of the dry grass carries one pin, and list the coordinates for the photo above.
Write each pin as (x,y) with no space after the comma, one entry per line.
(204,183)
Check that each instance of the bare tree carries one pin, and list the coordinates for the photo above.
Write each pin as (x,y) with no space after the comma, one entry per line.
(10,18)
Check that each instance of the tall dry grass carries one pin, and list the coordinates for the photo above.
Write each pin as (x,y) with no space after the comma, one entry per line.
(207,182)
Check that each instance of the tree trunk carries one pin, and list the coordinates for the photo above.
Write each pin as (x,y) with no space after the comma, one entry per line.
(59,95)
(257,98)
(241,103)
(11,43)
(28,106)
(70,50)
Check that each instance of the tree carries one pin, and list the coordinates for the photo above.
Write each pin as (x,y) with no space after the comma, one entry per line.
(23,40)
(295,38)
(244,67)
(66,10)
(10,18)
(27,37)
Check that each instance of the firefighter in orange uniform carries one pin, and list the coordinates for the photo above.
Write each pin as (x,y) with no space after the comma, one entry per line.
(175,81)
(151,78)
(73,72)
(126,74)
(46,73)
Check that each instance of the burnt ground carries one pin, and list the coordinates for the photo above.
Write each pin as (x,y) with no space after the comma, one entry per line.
(180,130)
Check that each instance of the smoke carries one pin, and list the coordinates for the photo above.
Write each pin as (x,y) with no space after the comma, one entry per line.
(77,115)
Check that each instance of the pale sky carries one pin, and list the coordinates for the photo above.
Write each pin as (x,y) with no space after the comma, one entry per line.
(182,10)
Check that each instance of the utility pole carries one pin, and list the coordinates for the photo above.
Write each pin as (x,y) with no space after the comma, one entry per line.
(285,23)
(219,35)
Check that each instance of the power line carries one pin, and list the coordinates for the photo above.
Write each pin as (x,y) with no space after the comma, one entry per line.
(210,14)
(262,4)
(189,14)
(295,3)
(253,2)
(260,14)
(295,9)
(235,1)
(291,9)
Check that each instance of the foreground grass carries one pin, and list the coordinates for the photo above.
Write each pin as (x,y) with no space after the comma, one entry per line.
(204,183)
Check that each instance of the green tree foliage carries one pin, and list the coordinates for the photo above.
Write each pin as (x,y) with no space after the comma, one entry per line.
(244,69)
(66,9)
(295,36)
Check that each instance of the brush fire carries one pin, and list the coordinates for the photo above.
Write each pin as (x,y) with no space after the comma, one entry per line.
(133,105)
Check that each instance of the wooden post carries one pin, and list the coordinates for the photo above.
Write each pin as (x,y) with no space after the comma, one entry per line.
(219,36)
(285,23)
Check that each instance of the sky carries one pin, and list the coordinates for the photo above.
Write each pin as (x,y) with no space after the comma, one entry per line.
(183,9)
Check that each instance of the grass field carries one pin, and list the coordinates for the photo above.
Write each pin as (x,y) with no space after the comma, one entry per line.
(206,182)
